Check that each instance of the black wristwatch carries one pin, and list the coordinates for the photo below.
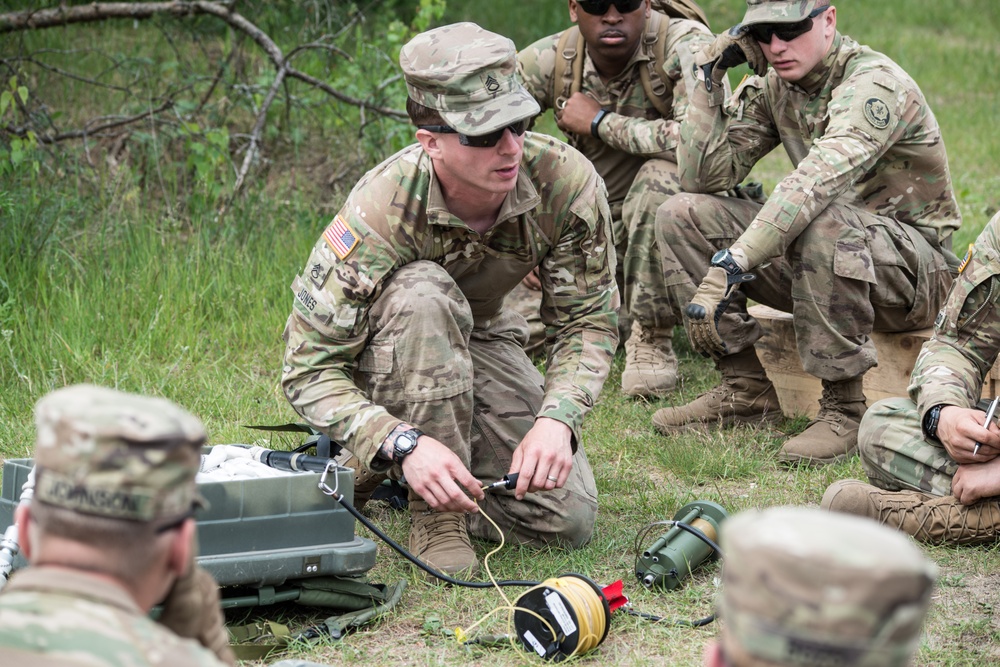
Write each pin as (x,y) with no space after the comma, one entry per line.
(404,444)
(601,113)
(724,260)
(931,420)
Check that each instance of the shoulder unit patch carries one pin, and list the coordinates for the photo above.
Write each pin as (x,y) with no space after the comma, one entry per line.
(877,113)
(340,237)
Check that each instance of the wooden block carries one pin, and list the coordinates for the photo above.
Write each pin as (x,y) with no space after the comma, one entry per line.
(799,392)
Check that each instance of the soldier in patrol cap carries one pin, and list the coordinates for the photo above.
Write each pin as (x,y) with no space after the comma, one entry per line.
(398,345)
(855,239)
(805,588)
(109,534)
(619,92)
(934,467)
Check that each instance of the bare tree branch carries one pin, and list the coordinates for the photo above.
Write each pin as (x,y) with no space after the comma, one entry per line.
(90,131)
(102,11)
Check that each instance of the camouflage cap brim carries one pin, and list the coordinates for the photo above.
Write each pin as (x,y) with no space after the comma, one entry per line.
(779,11)
(494,114)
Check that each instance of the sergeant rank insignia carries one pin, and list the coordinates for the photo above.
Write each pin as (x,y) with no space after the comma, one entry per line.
(877,113)
(340,237)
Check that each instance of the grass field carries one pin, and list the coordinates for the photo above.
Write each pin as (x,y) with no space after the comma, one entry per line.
(112,281)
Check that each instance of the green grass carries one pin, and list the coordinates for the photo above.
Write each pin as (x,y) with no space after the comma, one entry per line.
(124,279)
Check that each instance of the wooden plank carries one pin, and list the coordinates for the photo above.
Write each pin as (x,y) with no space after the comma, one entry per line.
(799,392)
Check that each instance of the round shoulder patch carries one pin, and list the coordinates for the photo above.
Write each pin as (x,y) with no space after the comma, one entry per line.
(877,113)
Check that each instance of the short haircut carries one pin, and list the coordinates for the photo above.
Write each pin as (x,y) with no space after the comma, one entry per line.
(421,115)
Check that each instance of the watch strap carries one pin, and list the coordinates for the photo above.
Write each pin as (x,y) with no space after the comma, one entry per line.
(931,421)
(598,117)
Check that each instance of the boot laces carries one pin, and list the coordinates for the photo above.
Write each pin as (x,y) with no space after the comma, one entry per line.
(954,518)
(445,529)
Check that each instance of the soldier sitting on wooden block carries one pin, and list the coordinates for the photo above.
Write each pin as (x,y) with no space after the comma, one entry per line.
(854,239)
(933,458)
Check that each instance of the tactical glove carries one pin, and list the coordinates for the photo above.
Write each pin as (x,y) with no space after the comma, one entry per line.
(707,306)
(731,48)
(192,610)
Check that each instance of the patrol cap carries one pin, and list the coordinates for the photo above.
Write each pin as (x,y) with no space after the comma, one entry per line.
(806,587)
(468,75)
(779,11)
(104,452)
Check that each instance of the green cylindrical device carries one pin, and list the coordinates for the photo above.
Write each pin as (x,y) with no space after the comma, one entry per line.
(675,555)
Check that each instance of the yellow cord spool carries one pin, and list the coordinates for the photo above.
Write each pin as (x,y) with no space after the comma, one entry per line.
(562,617)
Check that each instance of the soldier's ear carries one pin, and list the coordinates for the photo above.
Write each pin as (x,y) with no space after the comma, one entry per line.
(182,548)
(430,142)
(573,9)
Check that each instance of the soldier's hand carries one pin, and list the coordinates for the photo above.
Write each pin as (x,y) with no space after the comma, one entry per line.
(975,481)
(578,114)
(531,280)
(959,429)
(192,610)
(438,476)
(702,314)
(544,458)
(729,49)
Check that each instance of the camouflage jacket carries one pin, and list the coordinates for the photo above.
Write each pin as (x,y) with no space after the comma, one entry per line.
(54,617)
(954,363)
(556,218)
(858,131)
(633,131)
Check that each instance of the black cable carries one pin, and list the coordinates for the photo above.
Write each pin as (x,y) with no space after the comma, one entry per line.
(700,535)
(657,619)
(419,563)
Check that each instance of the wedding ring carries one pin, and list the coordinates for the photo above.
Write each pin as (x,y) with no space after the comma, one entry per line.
(552,479)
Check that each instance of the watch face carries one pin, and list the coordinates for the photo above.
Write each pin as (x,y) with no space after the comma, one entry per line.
(405,442)
(720,256)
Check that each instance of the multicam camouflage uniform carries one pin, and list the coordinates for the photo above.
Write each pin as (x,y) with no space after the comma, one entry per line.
(857,236)
(55,617)
(803,588)
(951,370)
(399,317)
(635,154)
(110,455)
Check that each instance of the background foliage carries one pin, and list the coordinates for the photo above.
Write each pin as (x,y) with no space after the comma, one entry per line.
(125,262)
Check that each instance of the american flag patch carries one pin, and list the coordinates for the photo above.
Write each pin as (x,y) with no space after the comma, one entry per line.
(340,237)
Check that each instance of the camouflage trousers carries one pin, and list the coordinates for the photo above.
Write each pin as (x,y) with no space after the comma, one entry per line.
(848,274)
(896,455)
(474,389)
(640,277)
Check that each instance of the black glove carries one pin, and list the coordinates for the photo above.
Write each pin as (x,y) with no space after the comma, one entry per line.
(731,48)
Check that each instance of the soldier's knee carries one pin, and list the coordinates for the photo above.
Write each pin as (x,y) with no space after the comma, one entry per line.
(888,419)
(425,291)
(576,526)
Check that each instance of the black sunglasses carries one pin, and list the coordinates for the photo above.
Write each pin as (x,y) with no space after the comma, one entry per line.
(601,7)
(786,32)
(481,140)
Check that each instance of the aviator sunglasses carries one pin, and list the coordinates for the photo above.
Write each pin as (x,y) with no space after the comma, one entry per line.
(601,7)
(481,140)
(786,32)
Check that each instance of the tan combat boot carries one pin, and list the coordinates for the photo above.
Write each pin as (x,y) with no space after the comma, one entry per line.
(441,539)
(650,362)
(833,435)
(365,481)
(930,519)
(745,396)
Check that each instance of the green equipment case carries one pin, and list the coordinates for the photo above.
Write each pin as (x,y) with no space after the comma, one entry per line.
(257,532)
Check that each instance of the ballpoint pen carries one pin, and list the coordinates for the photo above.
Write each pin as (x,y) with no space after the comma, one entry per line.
(986,422)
